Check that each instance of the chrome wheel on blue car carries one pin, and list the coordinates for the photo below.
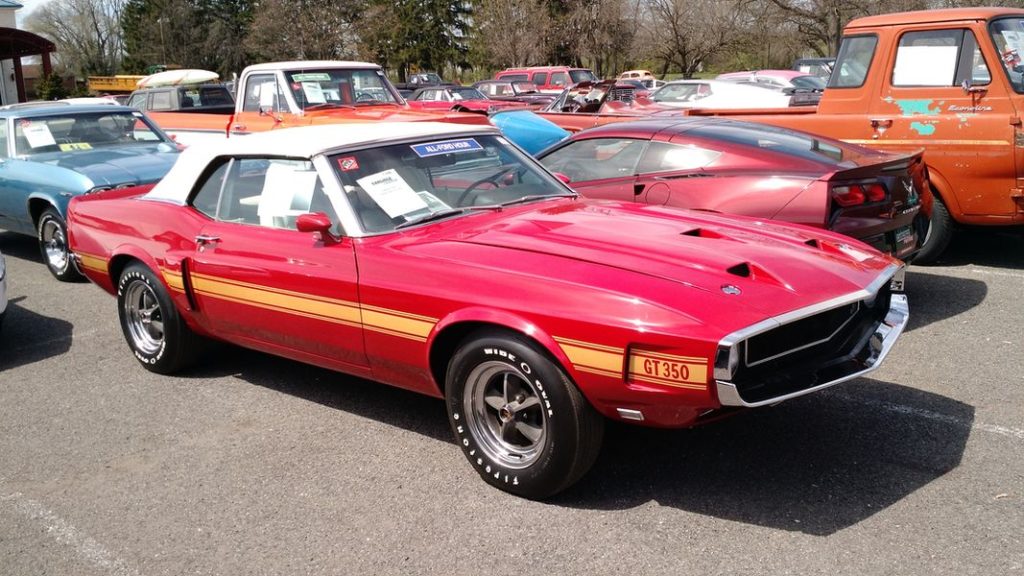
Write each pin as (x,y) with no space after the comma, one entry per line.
(53,244)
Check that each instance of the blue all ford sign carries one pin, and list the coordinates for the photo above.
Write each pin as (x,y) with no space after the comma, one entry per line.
(446,147)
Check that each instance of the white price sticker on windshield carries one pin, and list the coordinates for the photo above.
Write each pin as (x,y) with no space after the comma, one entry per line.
(393,194)
(38,135)
(314,93)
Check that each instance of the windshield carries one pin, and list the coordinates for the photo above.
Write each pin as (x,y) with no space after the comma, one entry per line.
(467,94)
(525,87)
(681,92)
(582,76)
(81,132)
(809,82)
(1008,37)
(400,185)
(340,87)
(770,138)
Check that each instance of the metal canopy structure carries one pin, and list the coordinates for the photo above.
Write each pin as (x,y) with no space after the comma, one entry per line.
(14,44)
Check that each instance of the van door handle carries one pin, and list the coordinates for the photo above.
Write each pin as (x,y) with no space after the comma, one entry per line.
(877,123)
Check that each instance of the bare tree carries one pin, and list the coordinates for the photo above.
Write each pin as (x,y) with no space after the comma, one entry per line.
(511,32)
(304,29)
(685,34)
(87,33)
(820,22)
(602,32)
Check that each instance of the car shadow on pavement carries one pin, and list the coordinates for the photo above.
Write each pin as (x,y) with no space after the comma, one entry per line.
(29,337)
(815,465)
(933,297)
(393,406)
(20,246)
(997,247)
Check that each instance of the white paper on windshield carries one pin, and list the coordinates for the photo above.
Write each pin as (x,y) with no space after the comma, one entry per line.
(392,193)
(1014,40)
(287,191)
(314,93)
(925,66)
(38,135)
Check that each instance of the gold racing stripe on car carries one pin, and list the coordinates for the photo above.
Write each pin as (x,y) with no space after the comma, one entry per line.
(92,262)
(173,279)
(593,358)
(383,320)
(688,372)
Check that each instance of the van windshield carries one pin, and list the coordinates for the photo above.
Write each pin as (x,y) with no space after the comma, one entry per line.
(1008,37)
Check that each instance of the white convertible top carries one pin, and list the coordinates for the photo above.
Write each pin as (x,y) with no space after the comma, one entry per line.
(303,142)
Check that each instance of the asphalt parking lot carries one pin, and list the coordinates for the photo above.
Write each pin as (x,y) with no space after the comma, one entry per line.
(251,464)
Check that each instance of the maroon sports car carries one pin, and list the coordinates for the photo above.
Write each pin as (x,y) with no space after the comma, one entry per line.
(751,169)
(458,99)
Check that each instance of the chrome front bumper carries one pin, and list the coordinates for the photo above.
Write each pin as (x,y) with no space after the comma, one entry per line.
(872,353)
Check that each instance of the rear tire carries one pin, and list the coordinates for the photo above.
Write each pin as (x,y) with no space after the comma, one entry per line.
(940,233)
(53,245)
(155,332)
(523,425)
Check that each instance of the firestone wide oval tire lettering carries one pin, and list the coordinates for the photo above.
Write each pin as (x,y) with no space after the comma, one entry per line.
(53,245)
(155,332)
(523,425)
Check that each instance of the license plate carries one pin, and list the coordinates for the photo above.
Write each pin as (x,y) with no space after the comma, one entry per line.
(903,234)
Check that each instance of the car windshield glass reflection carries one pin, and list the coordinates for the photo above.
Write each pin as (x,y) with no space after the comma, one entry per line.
(398,186)
(82,132)
(339,88)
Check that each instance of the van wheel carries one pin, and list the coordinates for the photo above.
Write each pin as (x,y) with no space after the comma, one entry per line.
(940,233)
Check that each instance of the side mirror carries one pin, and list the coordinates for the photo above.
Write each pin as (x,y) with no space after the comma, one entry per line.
(565,179)
(318,223)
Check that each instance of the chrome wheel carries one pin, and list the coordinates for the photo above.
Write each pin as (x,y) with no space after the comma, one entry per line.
(144,319)
(506,414)
(55,245)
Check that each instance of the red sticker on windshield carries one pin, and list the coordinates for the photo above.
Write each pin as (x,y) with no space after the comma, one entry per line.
(348,163)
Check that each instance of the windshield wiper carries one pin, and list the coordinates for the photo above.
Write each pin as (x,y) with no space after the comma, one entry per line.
(442,214)
(532,197)
(326,105)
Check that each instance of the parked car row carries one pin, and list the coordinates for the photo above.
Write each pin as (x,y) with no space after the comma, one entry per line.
(427,251)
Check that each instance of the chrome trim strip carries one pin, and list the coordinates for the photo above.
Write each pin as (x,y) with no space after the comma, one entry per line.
(881,342)
(629,414)
(730,341)
(746,343)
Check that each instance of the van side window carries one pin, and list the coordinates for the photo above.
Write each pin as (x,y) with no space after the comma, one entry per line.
(853,62)
(939,58)
(558,79)
(540,78)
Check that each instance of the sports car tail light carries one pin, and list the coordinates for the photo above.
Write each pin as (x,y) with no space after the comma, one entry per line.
(857,194)
(847,196)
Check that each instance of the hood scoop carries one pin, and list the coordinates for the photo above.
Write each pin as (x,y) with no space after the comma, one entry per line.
(757,274)
(704,233)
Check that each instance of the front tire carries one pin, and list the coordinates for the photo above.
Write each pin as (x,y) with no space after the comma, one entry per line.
(940,233)
(523,425)
(53,245)
(155,332)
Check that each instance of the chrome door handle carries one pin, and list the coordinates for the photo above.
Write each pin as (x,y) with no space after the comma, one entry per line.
(204,239)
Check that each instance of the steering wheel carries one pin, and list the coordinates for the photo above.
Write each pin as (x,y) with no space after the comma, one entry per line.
(493,179)
(366,97)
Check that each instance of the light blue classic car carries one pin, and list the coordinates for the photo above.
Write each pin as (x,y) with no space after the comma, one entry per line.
(53,151)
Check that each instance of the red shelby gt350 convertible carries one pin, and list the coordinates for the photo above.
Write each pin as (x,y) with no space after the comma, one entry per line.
(442,259)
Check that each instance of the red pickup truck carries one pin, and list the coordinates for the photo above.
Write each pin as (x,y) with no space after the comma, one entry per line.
(948,81)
